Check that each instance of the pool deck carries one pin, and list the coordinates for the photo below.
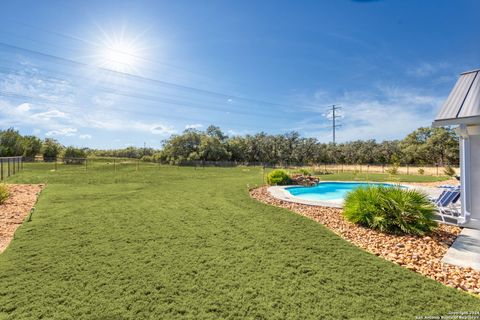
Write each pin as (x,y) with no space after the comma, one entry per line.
(280,193)
(465,251)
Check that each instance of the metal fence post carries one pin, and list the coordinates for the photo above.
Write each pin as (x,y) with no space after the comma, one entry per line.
(263,173)
(8,171)
(1,169)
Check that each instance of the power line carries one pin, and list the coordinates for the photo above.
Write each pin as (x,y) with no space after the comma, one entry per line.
(56,60)
(165,99)
(75,38)
(150,80)
(71,107)
(334,117)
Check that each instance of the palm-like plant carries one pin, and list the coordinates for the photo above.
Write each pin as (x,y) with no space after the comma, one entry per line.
(390,209)
(3,193)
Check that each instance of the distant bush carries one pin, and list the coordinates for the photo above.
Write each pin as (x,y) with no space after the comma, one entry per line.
(74,155)
(449,171)
(393,170)
(3,193)
(304,171)
(421,171)
(390,209)
(278,177)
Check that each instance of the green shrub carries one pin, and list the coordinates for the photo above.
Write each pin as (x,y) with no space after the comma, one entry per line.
(421,171)
(278,177)
(3,193)
(390,209)
(393,170)
(449,171)
(304,172)
(74,155)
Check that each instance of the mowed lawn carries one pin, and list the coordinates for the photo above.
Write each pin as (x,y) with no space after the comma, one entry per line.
(168,243)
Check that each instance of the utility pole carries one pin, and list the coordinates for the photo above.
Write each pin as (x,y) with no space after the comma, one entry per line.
(334,116)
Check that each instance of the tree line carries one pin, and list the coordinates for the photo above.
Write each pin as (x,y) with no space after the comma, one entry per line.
(12,144)
(424,146)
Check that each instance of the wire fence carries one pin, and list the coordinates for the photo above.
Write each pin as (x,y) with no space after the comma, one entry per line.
(407,169)
(11,165)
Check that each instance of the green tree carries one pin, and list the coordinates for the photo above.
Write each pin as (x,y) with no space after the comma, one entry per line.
(10,143)
(215,132)
(212,149)
(431,145)
(31,147)
(182,147)
(50,149)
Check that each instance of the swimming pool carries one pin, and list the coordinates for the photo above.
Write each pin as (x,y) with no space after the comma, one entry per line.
(329,190)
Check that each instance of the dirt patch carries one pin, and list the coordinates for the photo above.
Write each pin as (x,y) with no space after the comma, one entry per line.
(15,209)
(419,254)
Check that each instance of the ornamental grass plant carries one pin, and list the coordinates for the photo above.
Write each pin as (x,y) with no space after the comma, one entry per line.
(391,210)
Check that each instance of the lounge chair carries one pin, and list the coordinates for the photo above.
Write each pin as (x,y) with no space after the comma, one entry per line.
(447,203)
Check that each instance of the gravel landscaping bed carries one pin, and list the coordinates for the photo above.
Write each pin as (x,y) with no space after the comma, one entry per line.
(15,209)
(419,254)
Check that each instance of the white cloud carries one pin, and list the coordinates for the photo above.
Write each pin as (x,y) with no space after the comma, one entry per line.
(67,132)
(387,112)
(162,130)
(50,114)
(60,108)
(193,126)
(105,100)
(426,69)
(24,107)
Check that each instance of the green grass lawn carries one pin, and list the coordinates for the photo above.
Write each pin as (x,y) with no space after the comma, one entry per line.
(168,242)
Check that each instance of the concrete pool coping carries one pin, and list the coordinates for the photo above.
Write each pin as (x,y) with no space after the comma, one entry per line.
(280,193)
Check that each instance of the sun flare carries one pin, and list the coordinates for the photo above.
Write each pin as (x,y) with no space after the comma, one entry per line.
(120,56)
(120,52)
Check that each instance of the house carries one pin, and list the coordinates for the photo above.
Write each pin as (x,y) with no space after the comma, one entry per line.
(462,109)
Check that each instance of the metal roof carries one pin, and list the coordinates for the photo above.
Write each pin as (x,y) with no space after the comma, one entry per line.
(463,103)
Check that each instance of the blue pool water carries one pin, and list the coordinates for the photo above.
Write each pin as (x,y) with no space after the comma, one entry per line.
(329,190)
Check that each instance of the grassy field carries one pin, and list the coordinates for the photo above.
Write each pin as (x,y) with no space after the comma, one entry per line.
(351,176)
(168,242)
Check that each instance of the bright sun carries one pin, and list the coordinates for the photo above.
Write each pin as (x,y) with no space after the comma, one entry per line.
(119,52)
(120,56)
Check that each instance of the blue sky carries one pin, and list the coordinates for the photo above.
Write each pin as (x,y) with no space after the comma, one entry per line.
(246,66)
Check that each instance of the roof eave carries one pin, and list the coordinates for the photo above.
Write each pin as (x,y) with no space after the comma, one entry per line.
(456,121)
